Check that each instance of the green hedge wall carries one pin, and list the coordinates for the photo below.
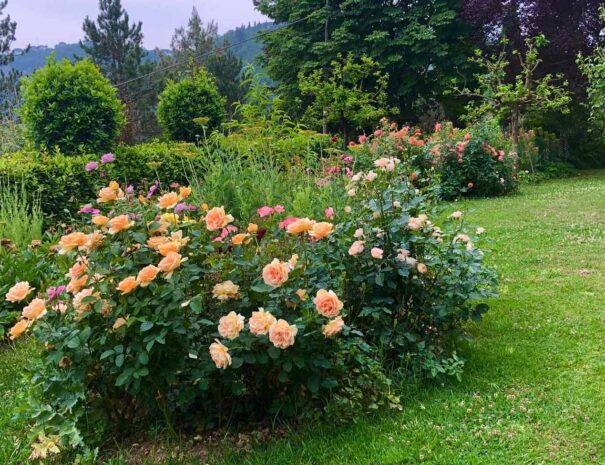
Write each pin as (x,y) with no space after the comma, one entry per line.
(63,185)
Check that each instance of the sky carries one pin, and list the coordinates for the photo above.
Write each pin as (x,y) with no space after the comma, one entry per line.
(48,22)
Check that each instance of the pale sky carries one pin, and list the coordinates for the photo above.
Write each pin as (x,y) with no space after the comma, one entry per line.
(47,22)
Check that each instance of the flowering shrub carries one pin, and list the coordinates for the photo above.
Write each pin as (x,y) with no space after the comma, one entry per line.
(173,307)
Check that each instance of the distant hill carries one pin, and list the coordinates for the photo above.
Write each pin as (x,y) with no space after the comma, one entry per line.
(36,57)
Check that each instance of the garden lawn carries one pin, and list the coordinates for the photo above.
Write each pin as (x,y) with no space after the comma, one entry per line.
(533,391)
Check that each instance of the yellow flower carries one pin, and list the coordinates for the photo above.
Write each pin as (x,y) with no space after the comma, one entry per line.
(100,220)
(72,241)
(252,228)
(184,192)
(167,247)
(19,292)
(239,239)
(225,291)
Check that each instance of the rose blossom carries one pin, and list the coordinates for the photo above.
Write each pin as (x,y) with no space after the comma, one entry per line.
(329,212)
(356,248)
(91,166)
(275,273)
(300,226)
(119,223)
(282,334)
(327,303)
(377,253)
(333,327)
(220,355)
(19,292)
(126,286)
(321,230)
(265,211)
(261,321)
(279,208)
(230,326)
(170,263)
(72,241)
(422,268)
(217,219)
(146,275)
(371,176)
(225,291)
(18,329)
(415,223)
(456,215)
(480,230)
(35,310)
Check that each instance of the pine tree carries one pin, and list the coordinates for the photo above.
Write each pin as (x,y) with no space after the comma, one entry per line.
(8,27)
(9,82)
(194,44)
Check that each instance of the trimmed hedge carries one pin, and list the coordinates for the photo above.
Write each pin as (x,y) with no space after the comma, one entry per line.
(63,185)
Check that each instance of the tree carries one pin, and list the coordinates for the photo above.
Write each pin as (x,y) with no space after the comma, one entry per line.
(420,44)
(116,46)
(187,105)
(349,95)
(8,27)
(72,107)
(193,45)
(512,100)
(227,70)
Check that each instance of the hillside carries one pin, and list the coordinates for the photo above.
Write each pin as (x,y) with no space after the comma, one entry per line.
(36,57)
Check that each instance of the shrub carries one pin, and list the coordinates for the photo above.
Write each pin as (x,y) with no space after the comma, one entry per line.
(165,312)
(187,107)
(20,221)
(72,107)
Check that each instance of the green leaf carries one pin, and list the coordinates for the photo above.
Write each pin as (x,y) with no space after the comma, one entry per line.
(146,326)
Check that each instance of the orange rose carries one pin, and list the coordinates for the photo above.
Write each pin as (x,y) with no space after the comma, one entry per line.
(282,334)
(261,321)
(293,261)
(35,310)
(120,223)
(146,275)
(154,242)
(184,192)
(252,228)
(107,194)
(94,240)
(300,226)
(327,303)
(126,286)
(80,306)
(217,219)
(333,327)
(100,221)
(239,239)
(230,326)
(321,230)
(205,207)
(78,269)
(170,263)
(19,292)
(220,355)
(302,294)
(167,247)
(119,323)
(168,200)
(18,329)
(76,284)
(276,273)
(158,227)
(72,241)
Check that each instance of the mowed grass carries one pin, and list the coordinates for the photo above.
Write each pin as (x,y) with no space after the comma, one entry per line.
(534,387)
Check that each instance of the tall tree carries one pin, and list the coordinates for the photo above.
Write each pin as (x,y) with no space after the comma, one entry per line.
(419,44)
(116,46)
(192,45)
(8,27)
(9,82)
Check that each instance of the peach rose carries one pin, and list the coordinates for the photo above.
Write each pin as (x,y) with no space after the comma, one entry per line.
(100,221)
(168,200)
(480,230)
(422,268)
(155,242)
(282,334)
(146,275)
(18,329)
(321,230)
(107,194)
(220,355)
(126,286)
(78,269)
(158,227)
(239,239)
(333,327)
(261,321)
(167,247)
(356,248)
(217,219)
(80,306)
(230,326)
(358,233)
(252,228)
(302,294)
(94,240)
(293,261)
(170,263)
(276,273)
(35,310)
(327,303)
(377,253)
(72,241)
(119,323)
(18,292)
(456,215)
(225,291)
(415,223)
(300,226)
(76,284)
(119,223)
(184,192)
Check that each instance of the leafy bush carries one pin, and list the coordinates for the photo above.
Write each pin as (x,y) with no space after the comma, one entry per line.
(165,318)
(72,107)
(20,221)
(189,106)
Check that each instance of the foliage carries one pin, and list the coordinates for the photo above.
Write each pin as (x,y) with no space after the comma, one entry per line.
(20,220)
(510,101)
(350,95)
(71,107)
(8,27)
(161,293)
(190,99)
(420,45)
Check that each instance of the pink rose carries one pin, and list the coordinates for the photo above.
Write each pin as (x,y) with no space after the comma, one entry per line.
(282,334)
(356,248)
(377,253)
(329,213)
(265,211)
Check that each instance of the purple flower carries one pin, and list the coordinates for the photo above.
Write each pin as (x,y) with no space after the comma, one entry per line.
(54,292)
(153,189)
(181,207)
(89,209)
(108,158)
(91,166)
(130,189)
(135,216)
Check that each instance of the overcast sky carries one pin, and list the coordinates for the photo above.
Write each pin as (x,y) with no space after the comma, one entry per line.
(47,22)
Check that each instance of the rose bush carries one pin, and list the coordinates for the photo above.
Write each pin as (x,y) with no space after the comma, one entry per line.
(172,308)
